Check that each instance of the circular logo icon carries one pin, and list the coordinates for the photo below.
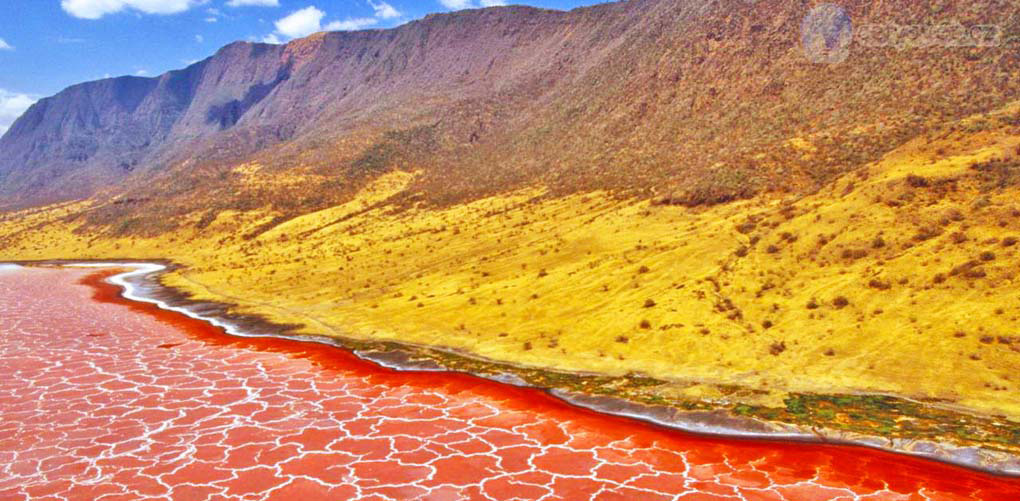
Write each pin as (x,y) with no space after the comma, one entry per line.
(826,34)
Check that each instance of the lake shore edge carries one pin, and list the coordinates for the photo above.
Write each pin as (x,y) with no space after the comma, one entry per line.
(142,284)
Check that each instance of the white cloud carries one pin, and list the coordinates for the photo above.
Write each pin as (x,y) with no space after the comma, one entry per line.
(12,105)
(301,23)
(199,38)
(470,4)
(384,10)
(308,20)
(351,24)
(141,73)
(254,3)
(4,45)
(95,9)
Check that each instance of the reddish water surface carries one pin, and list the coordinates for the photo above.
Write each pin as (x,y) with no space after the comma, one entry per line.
(106,400)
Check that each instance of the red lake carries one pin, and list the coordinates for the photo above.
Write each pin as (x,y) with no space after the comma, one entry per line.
(104,399)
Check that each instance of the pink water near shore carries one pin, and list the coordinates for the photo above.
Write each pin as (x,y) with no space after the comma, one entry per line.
(101,399)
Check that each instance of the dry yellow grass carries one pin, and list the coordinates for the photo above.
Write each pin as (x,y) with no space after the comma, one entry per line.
(847,290)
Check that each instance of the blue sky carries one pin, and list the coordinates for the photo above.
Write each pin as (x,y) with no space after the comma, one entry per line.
(47,45)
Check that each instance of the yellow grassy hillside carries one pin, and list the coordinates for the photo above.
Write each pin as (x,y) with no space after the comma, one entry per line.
(899,278)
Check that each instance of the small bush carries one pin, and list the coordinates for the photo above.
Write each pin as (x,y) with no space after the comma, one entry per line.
(927,233)
(987,256)
(854,254)
(649,303)
(964,268)
(622,339)
(880,285)
(777,348)
(813,304)
(840,302)
(643,270)
(915,181)
(1009,241)
(719,186)
(645,324)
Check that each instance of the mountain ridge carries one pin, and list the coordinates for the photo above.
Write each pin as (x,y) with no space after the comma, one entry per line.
(207,97)
(682,101)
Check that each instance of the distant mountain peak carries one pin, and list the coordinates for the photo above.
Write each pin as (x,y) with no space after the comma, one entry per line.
(685,101)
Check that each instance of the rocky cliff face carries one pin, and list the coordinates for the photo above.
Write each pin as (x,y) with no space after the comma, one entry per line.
(250,96)
(687,101)
(95,135)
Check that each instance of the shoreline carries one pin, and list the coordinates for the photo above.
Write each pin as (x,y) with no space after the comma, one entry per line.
(141,284)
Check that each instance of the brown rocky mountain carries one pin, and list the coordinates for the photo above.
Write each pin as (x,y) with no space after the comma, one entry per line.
(687,101)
